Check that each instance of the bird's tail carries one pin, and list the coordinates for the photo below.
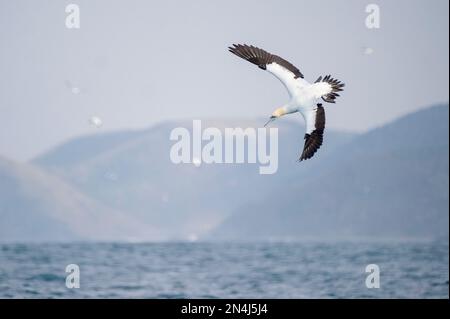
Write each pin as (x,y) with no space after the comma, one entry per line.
(334,87)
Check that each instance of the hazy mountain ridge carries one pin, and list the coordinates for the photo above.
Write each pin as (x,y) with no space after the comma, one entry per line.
(184,201)
(35,206)
(390,182)
(123,186)
(81,149)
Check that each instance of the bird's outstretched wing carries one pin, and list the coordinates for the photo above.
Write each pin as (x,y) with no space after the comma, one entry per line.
(326,88)
(315,126)
(286,72)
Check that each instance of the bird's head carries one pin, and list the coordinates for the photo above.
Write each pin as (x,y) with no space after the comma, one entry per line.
(276,114)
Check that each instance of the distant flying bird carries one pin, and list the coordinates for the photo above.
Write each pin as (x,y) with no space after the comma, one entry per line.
(305,97)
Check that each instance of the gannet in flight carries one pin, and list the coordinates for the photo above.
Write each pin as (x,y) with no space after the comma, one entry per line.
(305,97)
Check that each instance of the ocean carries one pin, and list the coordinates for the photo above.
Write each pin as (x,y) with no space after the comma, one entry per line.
(225,270)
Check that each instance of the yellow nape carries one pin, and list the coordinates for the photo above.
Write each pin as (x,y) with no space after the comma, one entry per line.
(279,112)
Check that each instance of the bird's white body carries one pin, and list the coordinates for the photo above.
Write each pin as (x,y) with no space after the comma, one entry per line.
(304,96)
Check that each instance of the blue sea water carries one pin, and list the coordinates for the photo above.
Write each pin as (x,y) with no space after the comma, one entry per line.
(225,270)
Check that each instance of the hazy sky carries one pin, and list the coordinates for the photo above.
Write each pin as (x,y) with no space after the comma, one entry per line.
(136,63)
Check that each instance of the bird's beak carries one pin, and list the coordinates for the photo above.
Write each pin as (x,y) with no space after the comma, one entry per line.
(272,118)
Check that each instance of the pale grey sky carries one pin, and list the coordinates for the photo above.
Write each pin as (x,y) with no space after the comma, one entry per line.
(140,62)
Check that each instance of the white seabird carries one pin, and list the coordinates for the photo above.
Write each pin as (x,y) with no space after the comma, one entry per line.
(305,97)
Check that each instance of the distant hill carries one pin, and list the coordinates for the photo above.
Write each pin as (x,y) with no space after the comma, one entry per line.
(390,182)
(132,172)
(35,206)
(82,149)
